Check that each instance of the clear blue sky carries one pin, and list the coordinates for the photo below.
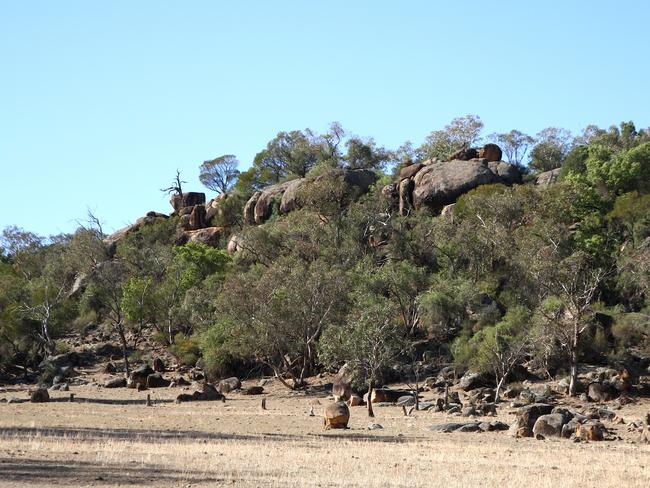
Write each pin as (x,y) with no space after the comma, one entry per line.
(100,102)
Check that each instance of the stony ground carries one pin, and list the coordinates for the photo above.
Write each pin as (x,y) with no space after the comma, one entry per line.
(109,437)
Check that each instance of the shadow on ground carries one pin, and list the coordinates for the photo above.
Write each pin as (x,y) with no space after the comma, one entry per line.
(57,472)
(146,435)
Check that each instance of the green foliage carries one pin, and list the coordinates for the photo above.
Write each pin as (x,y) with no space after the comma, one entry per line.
(575,162)
(219,174)
(185,349)
(513,274)
(462,132)
(552,147)
(369,342)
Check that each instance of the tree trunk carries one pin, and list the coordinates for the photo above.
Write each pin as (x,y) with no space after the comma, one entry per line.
(127,368)
(417,393)
(497,391)
(573,383)
(370,388)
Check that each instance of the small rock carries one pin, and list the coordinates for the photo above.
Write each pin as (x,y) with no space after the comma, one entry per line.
(375,426)
(40,396)
(253,390)
(229,384)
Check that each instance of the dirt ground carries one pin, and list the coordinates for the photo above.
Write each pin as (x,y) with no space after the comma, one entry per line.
(109,437)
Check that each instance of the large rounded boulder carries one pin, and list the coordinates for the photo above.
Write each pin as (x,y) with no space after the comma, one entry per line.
(336,416)
(441,183)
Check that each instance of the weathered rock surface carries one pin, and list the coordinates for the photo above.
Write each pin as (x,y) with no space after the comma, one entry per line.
(189,199)
(210,236)
(526,418)
(439,184)
(229,384)
(266,200)
(600,392)
(156,380)
(234,244)
(112,240)
(341,385)
(140,375)
(115,383)
(490,152)
(336,416)
(547,178)
(285,197)
(39,396)
(207,393)
(550,425)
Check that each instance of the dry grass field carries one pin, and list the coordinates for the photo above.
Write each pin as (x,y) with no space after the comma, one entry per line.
(113,439)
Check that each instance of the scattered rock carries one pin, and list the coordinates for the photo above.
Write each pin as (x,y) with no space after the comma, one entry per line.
(600,392)
(336,416)
(110,368)
(375,426)
(207,393)
(468,411)
(253,390)
(156,380)
(158,365)
(39,395)
(140,374)
(440,183)
(355,401)
(471,381)
(229,384)
(549,425)
(526,418)
(592,431)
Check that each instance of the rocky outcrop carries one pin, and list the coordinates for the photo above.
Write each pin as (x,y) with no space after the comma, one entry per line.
(547,178)
(192,218)
(112,240)
(286,197)
(267,199)
(189,199)
(490,152)
(464,154)
(234,244)
(434,184)
(439,184)
(210,236)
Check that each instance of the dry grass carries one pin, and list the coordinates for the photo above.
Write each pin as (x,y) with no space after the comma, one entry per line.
(448,460)
(210,443)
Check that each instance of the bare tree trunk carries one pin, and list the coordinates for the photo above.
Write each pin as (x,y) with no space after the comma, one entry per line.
(370,388)
(120,331)
(573,383)
(497,391)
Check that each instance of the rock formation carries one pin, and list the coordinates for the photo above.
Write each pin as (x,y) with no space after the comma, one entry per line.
(434,184)
(285,197)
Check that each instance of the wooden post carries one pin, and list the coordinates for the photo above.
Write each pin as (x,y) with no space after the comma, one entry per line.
(263,403)
(148,403)
(71,398)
